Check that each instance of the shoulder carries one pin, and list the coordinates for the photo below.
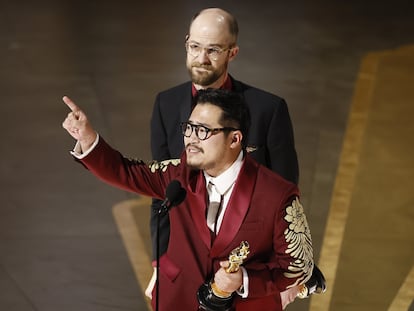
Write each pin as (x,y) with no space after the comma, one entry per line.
(175,91)
(162,166)
(255,96)
(272,179)
(171,99)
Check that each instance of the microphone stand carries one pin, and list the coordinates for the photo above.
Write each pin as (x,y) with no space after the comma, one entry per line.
(161,210)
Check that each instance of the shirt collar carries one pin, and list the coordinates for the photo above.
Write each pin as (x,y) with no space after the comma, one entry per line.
(225,180)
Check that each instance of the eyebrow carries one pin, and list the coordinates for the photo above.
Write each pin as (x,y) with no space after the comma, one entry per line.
(202,124)
(208,45)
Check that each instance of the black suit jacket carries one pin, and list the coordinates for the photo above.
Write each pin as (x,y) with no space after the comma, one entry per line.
(271,133)
(270,140)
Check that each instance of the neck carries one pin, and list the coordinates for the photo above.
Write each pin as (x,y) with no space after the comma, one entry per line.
(214,172)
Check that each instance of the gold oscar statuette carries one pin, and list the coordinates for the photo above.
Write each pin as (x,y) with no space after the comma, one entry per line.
(210,297)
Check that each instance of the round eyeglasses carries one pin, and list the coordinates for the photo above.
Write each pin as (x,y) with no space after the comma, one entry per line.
(213,52)
(202,132)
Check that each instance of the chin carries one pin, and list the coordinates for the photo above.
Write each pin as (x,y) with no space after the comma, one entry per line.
(202,79)
(194,166)
(192,163)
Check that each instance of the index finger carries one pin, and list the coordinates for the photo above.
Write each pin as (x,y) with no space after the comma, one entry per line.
(72,106)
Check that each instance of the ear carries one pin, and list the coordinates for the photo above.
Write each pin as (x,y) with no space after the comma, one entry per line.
(233,52)
(236,139)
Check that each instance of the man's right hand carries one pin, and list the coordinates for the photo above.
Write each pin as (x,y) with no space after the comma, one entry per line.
(78,126)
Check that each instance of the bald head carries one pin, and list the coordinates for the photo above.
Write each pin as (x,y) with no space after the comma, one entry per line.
(211,44)
(215,23)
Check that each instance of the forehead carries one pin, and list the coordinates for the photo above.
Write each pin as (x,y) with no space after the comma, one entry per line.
(206,114)
(210,29)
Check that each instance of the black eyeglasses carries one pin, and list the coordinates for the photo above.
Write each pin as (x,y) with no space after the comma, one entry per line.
(202,132)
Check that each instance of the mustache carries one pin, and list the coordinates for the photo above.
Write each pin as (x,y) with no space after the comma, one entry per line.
(192,145)
(200,65)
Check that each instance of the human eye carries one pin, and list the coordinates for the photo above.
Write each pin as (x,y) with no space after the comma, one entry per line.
(194,46)
(214,50)
(203,130)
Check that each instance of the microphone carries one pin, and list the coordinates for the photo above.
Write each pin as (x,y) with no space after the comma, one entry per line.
(174,195)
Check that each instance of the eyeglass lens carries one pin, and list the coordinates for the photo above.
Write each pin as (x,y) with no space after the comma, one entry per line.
(195,50)
(201,131)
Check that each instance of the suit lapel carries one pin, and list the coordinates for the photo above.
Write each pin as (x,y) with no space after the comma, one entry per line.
(237,208)
(197,200)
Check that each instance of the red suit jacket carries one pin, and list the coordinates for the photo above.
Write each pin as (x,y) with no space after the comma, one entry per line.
(263,210)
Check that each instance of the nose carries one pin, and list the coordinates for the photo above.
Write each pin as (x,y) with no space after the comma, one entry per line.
(203,57)
(192,140)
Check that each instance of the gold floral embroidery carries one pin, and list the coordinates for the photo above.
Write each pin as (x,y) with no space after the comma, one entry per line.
(250,149)
(299,240)
(155,166)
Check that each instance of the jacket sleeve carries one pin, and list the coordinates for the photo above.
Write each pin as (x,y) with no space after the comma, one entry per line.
(132,175)
(291,263)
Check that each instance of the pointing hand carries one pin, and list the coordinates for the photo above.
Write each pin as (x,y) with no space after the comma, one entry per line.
(78,126)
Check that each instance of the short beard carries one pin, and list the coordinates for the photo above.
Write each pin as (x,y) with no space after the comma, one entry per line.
(204,79)
(193,167)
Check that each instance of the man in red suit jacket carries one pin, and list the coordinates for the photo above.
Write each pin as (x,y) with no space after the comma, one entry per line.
(257,206)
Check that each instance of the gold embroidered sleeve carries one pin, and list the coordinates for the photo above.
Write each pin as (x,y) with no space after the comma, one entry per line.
(162,166)
(298,238)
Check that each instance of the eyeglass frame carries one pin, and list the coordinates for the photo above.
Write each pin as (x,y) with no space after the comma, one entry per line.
(209,131)
(209,49)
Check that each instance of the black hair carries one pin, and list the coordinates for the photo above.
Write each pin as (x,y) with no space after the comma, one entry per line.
(235,112)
